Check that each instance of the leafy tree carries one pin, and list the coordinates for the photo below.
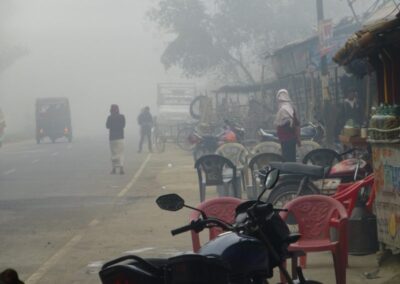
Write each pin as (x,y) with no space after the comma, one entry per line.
(8,53)
(229,37)
(224,36)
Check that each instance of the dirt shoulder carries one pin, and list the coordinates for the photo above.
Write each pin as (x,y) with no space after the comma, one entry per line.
(134,224)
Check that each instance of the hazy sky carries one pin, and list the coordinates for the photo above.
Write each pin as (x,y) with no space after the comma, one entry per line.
(96,52)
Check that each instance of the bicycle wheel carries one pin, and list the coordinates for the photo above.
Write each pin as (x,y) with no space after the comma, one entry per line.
(183,139)
(160,143)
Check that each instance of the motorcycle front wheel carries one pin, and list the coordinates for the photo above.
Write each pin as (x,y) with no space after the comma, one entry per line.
(285,192)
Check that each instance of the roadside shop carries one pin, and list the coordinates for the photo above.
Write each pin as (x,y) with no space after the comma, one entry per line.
(374,51)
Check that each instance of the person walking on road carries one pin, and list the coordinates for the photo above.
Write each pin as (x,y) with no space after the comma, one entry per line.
(116,124)
(287,126)
(145,121)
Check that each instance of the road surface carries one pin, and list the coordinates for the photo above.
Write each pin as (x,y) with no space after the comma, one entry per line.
(51,193)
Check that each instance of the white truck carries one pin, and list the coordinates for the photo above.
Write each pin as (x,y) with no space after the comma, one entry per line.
(173,106)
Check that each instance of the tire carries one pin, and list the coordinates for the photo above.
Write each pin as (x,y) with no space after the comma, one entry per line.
(160,144)
(194,112)
(285,192)
(182,139)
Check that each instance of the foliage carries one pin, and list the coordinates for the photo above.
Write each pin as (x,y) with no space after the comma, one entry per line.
(226,36)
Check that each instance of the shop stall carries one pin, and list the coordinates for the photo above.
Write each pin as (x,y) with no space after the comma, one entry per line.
(375,50)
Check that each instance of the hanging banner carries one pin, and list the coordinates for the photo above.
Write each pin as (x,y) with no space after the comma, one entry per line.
(325,33)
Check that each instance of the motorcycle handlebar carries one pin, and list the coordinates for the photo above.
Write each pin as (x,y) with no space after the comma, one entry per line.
(348,152)
(267,208)
(199,225)
(183,229)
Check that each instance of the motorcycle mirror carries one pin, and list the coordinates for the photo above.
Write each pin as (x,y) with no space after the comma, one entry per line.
(271,179)
(170,202)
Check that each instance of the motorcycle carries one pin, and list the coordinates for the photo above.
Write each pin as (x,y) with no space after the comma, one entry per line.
(309,132)
(302,179)
(246,253)
(311,135)
(237,129)
(204,144)
(208,144)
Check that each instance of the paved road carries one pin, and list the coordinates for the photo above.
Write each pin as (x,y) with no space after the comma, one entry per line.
(48,192)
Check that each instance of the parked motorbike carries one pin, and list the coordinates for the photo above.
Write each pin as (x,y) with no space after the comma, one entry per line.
(208,144)
(204,144)
(246,253)
(237,129)
(303,179)
(308,132)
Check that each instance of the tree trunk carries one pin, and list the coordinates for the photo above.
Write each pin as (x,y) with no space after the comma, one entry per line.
(240,64)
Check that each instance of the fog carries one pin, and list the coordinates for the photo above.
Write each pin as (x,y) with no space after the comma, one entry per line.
(95,52)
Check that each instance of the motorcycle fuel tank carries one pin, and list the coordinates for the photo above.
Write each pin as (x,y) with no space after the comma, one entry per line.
(244,254)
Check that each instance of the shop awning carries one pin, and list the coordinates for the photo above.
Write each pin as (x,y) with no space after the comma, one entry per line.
(370,40)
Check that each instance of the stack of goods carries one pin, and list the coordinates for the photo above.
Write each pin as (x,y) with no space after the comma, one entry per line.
(351,129)
(385,123)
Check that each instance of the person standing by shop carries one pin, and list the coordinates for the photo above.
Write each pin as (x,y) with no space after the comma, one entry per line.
(145,121)
(287,126)
(116,124)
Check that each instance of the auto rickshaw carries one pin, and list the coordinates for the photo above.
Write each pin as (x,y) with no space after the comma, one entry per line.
(53,119)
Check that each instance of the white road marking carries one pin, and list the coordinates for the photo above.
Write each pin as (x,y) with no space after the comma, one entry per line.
(47,265)
(35,161)
(35,277)
(9,172)
(138,250)
(125,190)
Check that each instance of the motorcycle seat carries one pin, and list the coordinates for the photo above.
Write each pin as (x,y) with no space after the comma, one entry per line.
(299,168)
(267,133)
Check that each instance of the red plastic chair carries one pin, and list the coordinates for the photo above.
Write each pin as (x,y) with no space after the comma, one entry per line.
(348,195)
(315,215)
(222,208)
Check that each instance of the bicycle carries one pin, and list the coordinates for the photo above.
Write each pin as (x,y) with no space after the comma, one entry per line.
(158,139)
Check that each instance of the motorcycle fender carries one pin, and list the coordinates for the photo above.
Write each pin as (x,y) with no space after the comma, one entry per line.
(129,274)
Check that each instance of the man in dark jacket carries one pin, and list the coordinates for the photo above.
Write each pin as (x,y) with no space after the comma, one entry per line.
(145,120)
(116,124)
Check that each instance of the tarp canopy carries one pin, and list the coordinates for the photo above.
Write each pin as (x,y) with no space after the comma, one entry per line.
(371,39)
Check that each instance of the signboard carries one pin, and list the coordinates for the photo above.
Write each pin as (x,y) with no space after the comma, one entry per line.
(325,34)
(175,94)
(386,160)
